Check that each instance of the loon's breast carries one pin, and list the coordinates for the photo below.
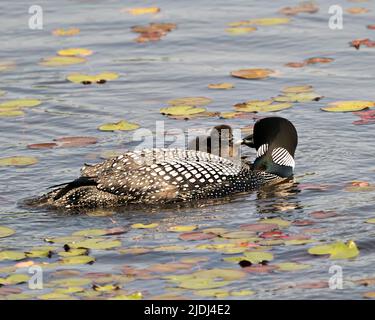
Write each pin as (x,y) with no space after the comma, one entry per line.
(156,176)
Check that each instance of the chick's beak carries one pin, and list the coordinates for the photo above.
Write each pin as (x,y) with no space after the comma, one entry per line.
(248,141)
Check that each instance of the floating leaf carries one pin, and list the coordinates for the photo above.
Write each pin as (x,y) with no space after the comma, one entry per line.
(182,228)
(14,279)
(348,106)
(224,85)
(256,257)
(73,252)
(268,21)
(77,260)
(372,220)
(190,101)
(144,226)
(61,61)
(252,73)
(298,97)
(64,240)
(295,64)
(70,282)
(75,52)
(96,244)
(88,79)
(280,222)
(47,145)
(242,293)
(11,113)
(105,288)
(66,32)
(5,231)
(357,10)
(262,106)
(90,233)
(292,266)
(132,296)
(18,161)
(297,89)
(69,142)
(39,253)
(370,295)
(20,103)
(55,296)
(12,255)
(337,250)
(217,293)
(194,236)
(198,284)
(139,11)
(240,30)
(121,126)
(259,227)
(181,110)
(316,60)
(304,7)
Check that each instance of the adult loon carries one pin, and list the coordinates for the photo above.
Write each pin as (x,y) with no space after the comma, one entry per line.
(162,176)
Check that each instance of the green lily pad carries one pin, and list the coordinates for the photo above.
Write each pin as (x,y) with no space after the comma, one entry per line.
(181,110)
(12,255)
(77,260)
(5,231)
(18,161)
(292,266)
(20,103)
(336,250)
(96,244)
(119,126)
(14,279)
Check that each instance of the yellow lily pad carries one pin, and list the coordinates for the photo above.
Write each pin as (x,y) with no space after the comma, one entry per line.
(75,52)
(297,89)
(292,266)
(268,21)
(337,250)
(64,240)
(144,226)
(38,253)
(69,290)
(90,233)
(18,161)
(198,284)
(242,293)
(224,85)
(5,231)
(119,126)
(262,106)
(182,228)
(69,282)
(55,296)
(140,11)
(132,296)
(12,255)
(258,256)
(240,30)
(66,32)
(61,61)
(182,110)
(77,260)
(14,279)
(190,101)
(86,79)
(252,74)
(372,220)
(11,113)
(348,106)
(106,288)
(217,293)
(298,97)
(96,244)
(280,222)
(20,103)
(73,252)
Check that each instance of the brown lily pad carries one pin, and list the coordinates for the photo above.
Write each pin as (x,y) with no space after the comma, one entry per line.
(196,235)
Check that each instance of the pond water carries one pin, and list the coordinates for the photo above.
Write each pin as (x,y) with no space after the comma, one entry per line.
(332,151)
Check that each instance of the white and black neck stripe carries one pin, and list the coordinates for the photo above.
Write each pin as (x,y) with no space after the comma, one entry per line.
(282,157)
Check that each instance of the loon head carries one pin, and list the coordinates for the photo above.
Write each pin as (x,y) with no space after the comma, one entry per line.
(275,140)
(219,142)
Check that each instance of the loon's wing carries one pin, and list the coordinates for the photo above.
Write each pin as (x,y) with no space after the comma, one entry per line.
(192,172)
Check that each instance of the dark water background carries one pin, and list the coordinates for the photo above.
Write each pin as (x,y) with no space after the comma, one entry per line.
(331,149)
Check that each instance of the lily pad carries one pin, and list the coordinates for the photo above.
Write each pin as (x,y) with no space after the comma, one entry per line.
(66,32)
(292,266)
(75,52)
(348,106)
(5,231)
(224,85)
(262,106)
(217,293)
(88,79)
(144,226)
(61,61)
(90,233)
(14,279)
(298,97)
(190,101)
(182,228)
(182,110)
(240,30)
(11,113)
(19,104)
(77,260)
(336,250)
(140,11)
(18,161)
(252,74)
(372,220)
(297,89)
(258,256)
(12,255)
(280,222)
(119,126)
(96,244)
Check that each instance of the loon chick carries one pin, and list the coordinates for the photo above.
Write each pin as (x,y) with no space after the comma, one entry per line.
(219,142)
(161,176)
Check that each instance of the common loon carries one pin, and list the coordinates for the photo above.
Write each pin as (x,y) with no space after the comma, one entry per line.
(163,176)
